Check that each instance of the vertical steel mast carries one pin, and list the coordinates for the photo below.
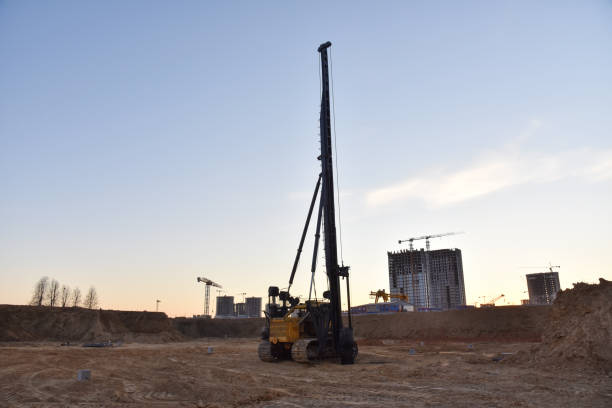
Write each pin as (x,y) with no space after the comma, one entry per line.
(313,330)
(327,197)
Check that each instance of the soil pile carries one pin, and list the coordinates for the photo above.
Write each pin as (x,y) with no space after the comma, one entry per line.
(580,328)
(505,323)
(32,323)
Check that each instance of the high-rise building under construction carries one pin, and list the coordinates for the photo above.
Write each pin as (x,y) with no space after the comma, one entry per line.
(543,287)
(225,306)
(253,306)
(430,279)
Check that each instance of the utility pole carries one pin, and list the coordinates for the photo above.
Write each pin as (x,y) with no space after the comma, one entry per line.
(157,302)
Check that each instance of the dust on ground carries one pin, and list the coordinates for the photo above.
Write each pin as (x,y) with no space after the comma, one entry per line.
(387,373)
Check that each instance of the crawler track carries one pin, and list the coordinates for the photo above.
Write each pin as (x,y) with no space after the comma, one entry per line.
(265,352)
(302,350)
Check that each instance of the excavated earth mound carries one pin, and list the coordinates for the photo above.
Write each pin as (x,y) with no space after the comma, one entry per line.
(33,323)
(580,329)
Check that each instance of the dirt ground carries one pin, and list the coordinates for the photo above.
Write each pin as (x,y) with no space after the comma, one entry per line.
(386,373)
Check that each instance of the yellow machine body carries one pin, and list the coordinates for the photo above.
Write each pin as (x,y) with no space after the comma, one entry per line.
(284,330)
(287,329)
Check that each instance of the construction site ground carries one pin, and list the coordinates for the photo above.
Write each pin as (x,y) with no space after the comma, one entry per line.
(387,373)
(548,356)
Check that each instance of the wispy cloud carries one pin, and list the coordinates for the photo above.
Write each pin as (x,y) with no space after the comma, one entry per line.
(496,171)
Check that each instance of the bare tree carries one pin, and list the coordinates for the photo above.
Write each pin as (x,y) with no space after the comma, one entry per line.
(53,293)
(64,295)
(40,290)
(76,297)
(91,299)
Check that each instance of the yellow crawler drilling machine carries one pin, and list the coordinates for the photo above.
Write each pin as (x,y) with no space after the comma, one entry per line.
(313,330)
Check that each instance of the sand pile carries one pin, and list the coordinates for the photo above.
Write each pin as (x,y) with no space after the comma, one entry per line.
(31,323)
(580,328)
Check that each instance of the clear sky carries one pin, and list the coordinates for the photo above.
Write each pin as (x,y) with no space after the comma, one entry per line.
(143,144)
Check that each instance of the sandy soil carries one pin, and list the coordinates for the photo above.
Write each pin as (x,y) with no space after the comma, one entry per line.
(386,374)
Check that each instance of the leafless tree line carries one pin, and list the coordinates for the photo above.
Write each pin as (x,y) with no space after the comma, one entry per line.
(47,292)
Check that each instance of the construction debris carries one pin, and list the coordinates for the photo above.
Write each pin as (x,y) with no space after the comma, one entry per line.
(84,375)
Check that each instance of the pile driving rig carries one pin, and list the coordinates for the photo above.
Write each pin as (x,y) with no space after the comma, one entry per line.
(313,330)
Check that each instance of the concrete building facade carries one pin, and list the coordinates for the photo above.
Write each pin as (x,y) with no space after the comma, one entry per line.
(430,279)
(225,306)
(240,309)
(543,287)
(253,306)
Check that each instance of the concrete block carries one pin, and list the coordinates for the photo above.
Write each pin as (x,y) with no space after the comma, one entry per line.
(84,375)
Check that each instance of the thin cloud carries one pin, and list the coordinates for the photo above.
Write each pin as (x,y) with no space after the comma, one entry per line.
(495,172)
(304,195)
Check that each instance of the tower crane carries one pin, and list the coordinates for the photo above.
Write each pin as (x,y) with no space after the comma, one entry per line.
(207,284)
(427,238)
(386,296)
(550,267)
(491,303)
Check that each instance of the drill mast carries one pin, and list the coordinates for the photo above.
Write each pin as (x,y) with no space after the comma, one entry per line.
(327,200)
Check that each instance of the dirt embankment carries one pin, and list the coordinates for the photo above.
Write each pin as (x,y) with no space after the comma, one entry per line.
(579,331)
(32,323)
(195,328)
(495,324)
(27,323)
(506,323)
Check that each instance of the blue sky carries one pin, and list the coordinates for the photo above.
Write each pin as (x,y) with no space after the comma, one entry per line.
(143,144)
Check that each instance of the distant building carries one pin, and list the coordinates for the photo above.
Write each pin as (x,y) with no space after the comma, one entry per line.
(253,306)
(543,287)
(430,279)
(240,309)
(225,306)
